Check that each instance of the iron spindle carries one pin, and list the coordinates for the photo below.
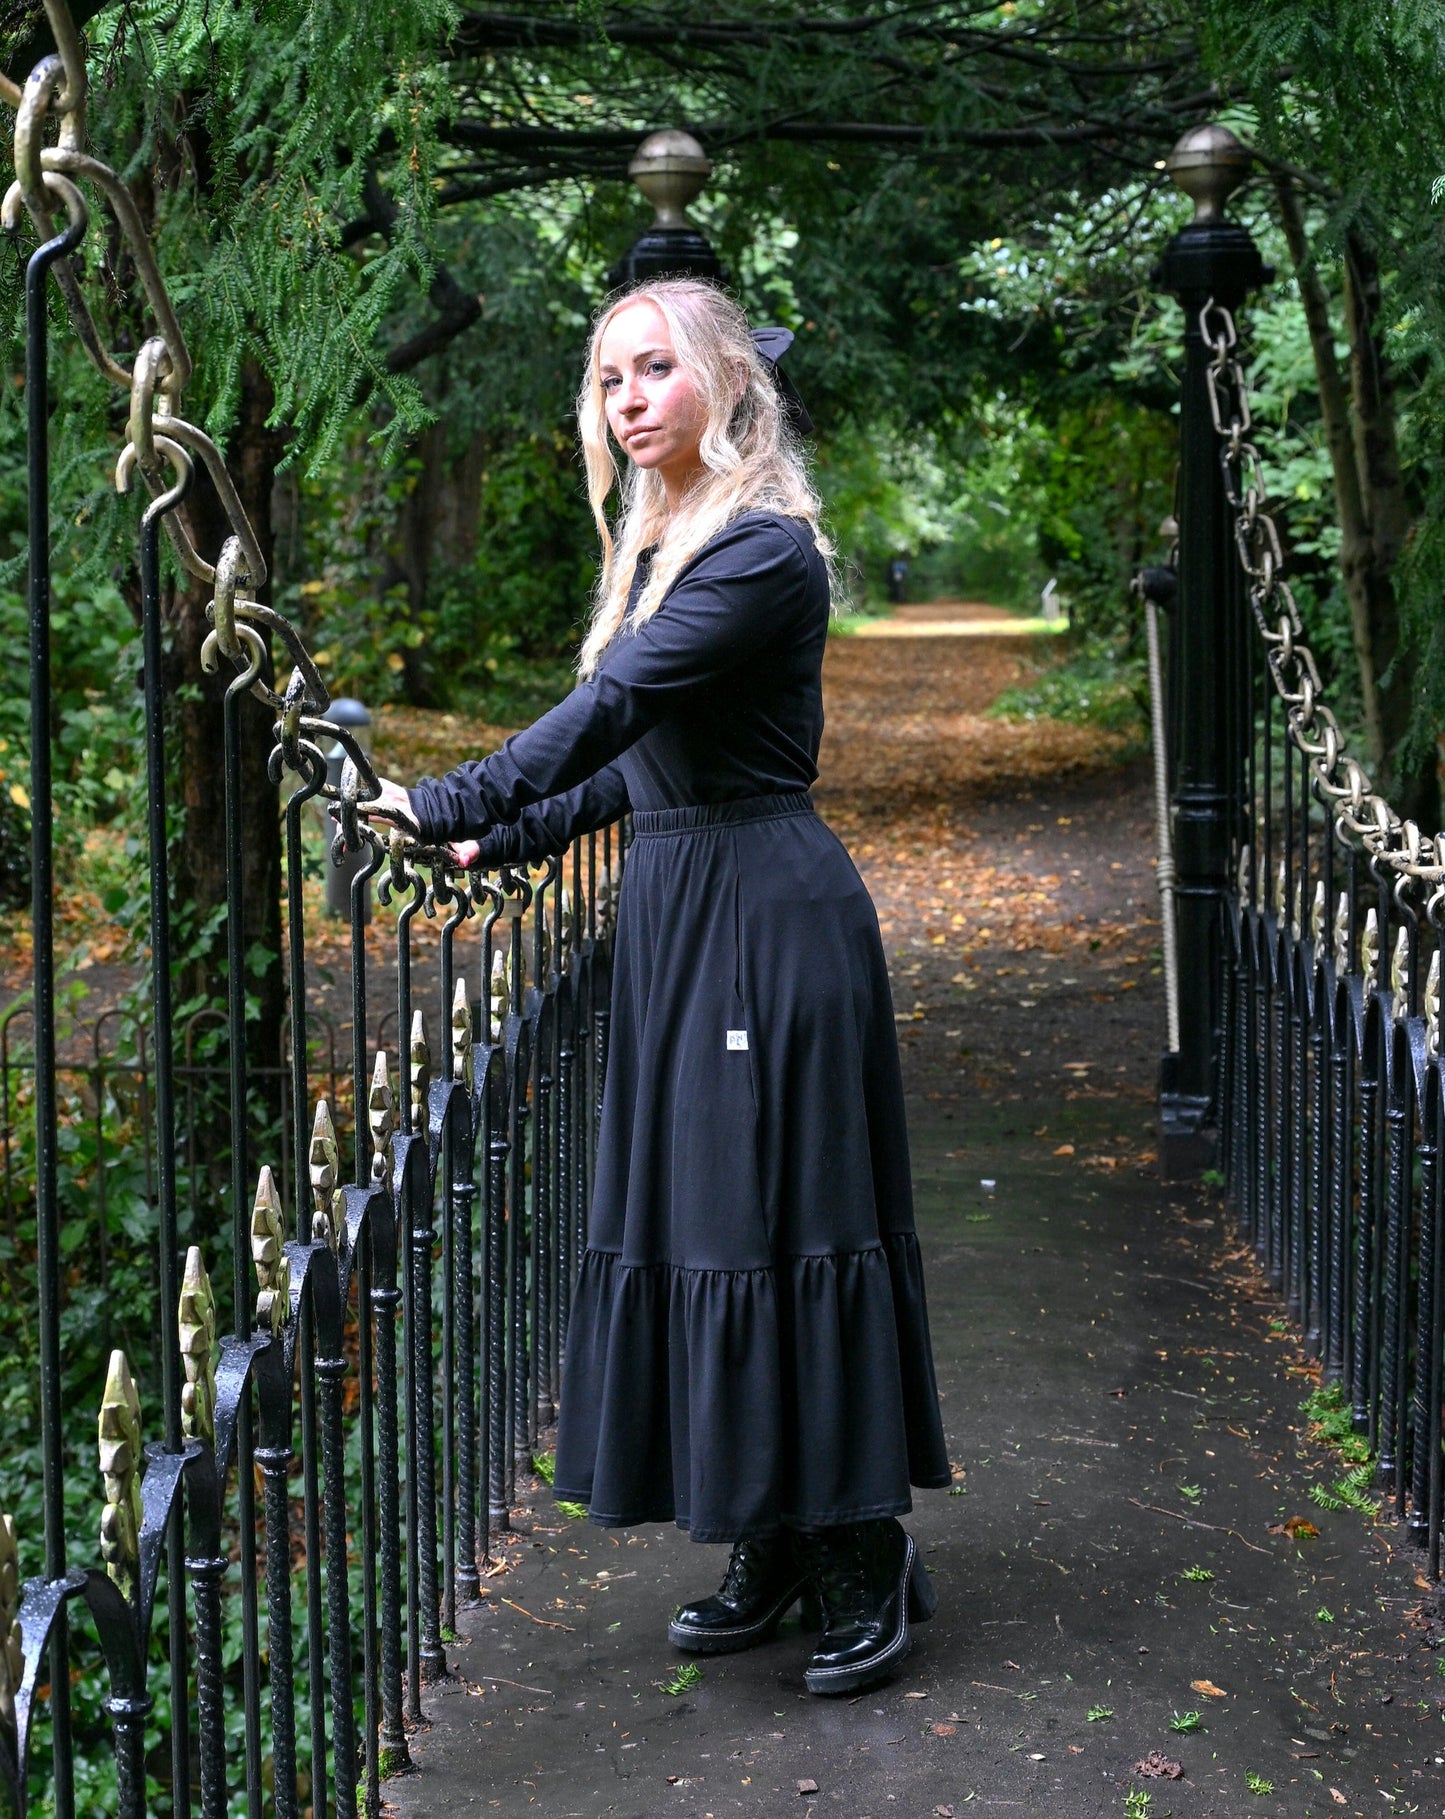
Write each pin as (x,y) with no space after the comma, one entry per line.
(275,1464)
(42,910)
(1366,1251)
(1433,1210)
(165,1114)
(366,1416)
(499,1148)
(311,1530)
(1425,1408)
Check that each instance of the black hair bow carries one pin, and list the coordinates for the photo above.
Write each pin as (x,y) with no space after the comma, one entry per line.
(772,344)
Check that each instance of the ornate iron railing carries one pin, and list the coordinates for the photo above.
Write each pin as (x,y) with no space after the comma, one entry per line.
(1310,1044)
(397,1334)
(1332,1083)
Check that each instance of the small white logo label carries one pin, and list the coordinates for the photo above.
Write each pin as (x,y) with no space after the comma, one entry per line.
(737,1039)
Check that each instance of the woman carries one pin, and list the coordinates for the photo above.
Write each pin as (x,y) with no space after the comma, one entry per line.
(748,1350)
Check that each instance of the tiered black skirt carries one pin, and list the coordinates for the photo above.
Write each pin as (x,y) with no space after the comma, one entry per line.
(749,1343)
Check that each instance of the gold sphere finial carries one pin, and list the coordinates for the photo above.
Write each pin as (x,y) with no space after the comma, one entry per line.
(670,169)
(1209,163)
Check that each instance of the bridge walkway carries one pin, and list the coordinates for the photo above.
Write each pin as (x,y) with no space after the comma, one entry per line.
(1120,1388)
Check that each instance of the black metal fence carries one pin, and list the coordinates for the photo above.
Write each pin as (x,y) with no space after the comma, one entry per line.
(286,1540)
(1330,1016)
(1308,1058)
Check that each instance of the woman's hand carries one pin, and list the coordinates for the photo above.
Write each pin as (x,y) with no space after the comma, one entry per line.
(392,806)
(465,853)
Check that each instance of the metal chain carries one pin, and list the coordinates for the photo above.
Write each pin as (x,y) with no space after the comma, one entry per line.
(1343,782)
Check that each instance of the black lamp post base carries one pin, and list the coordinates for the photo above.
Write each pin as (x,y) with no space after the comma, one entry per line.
(1188,1136)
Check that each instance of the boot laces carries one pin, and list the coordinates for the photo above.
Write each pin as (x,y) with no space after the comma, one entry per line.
(741,1566)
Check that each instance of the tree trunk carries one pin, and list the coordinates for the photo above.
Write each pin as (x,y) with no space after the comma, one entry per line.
(1359,426)
(199,862)
(437,529)
(1413,778)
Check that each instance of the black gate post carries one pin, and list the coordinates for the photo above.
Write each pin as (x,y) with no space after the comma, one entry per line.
(1209,717)
(670,168)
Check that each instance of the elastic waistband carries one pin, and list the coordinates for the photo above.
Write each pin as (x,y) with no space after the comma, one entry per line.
(649,823)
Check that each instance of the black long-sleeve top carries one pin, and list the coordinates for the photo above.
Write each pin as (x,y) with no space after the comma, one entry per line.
(717,697)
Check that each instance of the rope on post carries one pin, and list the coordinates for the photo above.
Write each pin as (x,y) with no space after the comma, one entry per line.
(1156,587)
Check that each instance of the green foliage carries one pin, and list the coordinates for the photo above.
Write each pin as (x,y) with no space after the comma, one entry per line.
(1186,1721)
(1096,1714)
(279,116)
(1330,1418)
(1095,688)
(1257,1783)
(686,1677)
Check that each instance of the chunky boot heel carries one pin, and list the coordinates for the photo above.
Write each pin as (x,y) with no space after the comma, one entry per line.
(922,1598)
(868,1578)
(810,1609)
(762,1583)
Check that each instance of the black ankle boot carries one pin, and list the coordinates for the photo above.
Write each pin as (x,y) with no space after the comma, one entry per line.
(871,1584)
(763,1581)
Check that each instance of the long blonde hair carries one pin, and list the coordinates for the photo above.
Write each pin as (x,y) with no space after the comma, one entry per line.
(752,459)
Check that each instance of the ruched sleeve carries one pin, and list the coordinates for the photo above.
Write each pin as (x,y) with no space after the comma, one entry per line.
(745,590)
(547,828)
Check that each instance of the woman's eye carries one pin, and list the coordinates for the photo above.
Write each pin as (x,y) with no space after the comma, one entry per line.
(610,383)
(659,368)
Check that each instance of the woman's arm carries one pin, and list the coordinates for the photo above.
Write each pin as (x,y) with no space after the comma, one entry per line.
(544,829)
(744,591)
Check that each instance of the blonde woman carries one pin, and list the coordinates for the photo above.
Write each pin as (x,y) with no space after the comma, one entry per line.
(748,1351)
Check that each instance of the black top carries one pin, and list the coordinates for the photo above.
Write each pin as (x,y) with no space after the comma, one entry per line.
(718,697)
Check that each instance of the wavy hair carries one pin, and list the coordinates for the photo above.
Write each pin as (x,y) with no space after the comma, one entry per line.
(752,459)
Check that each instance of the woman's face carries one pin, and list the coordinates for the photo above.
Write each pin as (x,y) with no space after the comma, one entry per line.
(653,408)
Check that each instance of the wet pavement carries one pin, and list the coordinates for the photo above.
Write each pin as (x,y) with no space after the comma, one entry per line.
(1122,1553)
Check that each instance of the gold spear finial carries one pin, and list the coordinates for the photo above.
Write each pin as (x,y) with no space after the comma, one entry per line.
(1432,1005)
(12,1656)
(1400,977)
(606,902)
(501,997)
(198,1351)
(268,1253)
(1370,948)
(328,1216)
(1319,917)
(381,1118)
(1342,933)
(463,1064)
(420,1054)
(119,1434)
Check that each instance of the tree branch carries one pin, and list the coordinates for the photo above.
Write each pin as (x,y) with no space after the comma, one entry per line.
(457,309)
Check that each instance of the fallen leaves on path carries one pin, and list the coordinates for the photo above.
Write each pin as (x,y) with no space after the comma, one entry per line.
(1159,1767)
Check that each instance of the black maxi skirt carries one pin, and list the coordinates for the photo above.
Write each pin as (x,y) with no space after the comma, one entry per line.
(748,1344)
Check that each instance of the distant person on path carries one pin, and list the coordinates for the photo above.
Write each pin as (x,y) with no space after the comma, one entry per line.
(748,1351)
(898,580)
